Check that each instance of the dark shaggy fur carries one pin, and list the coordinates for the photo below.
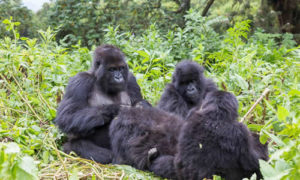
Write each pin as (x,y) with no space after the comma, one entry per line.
(188,88)
(137,130)
(212,141)
(92,99)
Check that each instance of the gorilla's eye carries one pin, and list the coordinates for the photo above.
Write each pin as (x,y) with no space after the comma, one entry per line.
(184,82)
(97,63)
(111,69)
(122,68)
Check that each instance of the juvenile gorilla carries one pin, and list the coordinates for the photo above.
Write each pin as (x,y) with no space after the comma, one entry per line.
(188,88)
(212,141)
(92,99)
(137,130)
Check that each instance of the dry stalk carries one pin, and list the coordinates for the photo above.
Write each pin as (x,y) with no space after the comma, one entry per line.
(266,91)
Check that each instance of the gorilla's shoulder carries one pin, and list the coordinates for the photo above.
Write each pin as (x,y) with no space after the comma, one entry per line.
(171,90)
(210,85)
(80,84)
(82,79)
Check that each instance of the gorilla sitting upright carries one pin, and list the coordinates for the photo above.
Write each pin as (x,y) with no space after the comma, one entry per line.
(188,88)
(92,99)
(212,141)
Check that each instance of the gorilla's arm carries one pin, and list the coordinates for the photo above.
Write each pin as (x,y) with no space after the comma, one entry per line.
(74,115)
(209,86)
(171,101)
(134,92)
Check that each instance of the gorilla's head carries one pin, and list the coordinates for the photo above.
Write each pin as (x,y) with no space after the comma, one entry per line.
(110,69)
(188,80)
(223,104)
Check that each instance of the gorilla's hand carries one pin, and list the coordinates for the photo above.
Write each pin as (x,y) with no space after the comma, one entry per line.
(111,111)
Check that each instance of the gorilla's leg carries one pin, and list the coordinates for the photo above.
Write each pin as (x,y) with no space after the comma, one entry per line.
(87,149)
(164,166)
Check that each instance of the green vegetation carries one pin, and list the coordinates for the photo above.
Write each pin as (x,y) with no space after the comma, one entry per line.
(34,73)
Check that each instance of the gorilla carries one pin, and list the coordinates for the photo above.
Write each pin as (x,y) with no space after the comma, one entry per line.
(209,141)
(146,138)
(92,99)
(188,88)
(212,141)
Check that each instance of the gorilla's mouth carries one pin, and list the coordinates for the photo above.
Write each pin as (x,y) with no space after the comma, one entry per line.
(192,97)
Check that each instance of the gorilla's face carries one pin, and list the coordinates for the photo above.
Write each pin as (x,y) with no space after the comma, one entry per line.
(111,70)
(117,76)
(189,89)
(189,81)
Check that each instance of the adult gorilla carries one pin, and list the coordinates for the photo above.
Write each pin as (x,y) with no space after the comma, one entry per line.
(188,88)
(92,99)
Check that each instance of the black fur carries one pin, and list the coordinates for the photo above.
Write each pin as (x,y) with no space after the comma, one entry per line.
(260,149)
(188,88)
(92,99)
(212,141)
(137,130)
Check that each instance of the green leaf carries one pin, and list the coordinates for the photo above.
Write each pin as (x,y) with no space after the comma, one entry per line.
(282,113)
(255,127)
(143,54)
(274,138)
(24,38)
(241,82)
(5,21)
(12,148)
(27,169)
(269,173)
(294,92)
(266,169)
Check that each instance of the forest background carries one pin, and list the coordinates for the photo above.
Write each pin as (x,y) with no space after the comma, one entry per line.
(246,46)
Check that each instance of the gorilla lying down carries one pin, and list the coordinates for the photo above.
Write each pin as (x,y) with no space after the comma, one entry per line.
(210,141)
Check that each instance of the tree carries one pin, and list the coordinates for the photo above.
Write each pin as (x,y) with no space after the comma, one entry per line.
(15,9)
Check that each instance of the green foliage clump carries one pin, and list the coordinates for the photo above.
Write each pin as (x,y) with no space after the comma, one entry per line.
(14,8)
(34,73)
(15,166)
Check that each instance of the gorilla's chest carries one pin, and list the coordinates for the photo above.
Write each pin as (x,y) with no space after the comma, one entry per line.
(98,98)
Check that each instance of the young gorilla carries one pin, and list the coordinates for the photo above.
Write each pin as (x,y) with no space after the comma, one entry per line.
(92,99)
(188,88)
(212,141)
(135,131)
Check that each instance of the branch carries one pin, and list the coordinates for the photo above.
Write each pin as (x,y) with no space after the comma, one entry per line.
(208,5)
(185,5)
(266,91)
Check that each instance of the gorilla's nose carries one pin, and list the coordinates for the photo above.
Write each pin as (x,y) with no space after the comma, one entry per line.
(191,88)
(119,79)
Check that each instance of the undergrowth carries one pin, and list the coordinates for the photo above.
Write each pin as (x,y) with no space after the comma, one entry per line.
(34,73)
